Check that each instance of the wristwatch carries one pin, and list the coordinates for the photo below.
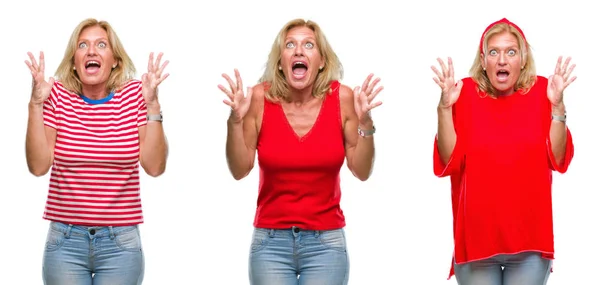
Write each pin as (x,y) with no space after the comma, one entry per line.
(560,118)
(366,133)
(158,117)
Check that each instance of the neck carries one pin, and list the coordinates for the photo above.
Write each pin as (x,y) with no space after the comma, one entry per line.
(301,96)
(95,92)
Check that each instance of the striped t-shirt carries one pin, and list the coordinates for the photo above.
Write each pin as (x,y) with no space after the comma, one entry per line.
(95,174)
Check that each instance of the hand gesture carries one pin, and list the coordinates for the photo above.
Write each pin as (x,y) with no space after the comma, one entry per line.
(40,88)
(363,99)
(445,79)
(238,102)
(560,80)
(153,78)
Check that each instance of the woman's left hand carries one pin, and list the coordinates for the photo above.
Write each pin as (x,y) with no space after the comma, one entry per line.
(363,99)
(560,80)
(153,78)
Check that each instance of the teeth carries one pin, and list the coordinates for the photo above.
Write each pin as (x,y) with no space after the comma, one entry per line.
(92,62)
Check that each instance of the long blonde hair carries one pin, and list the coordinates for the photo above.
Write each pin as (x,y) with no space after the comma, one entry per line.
(123,72)
(527,76)
(278,87)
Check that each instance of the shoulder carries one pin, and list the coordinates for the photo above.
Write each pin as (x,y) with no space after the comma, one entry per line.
(258,92)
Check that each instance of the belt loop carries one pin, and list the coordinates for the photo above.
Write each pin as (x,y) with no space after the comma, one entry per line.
(111,232)
(271,232)
(317,234)
(68,231)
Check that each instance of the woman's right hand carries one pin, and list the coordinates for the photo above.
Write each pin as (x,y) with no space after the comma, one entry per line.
(445,79)
(40,87)
(238,102)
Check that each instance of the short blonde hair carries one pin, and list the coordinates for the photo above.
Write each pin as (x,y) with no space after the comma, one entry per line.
(124,71)
(278,87)
(528,74)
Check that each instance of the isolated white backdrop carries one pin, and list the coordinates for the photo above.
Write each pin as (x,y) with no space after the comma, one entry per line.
(199,219)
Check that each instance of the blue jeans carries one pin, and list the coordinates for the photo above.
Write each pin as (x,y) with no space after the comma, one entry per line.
(78,255)
(527,268)
(298,257)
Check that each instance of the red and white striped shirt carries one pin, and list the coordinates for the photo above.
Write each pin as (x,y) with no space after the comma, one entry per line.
(95,174)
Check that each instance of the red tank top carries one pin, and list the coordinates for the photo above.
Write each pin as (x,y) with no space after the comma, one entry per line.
(299,183)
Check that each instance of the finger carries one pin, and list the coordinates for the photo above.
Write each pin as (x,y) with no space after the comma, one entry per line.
(450,68)
(356,92)
(372,106)
(42,62)
(570,81)
(558,65)
(51,82)
(438,82)
(228,103)
(366,82)
(372,86)
(227,92)
(565,65)
(372,96)
(150,60)
(33,62)
(569,71)
(33,71)
(162,67)
(238,79)
(158,59)
(437,72)
(162,78)
(443,66)
(231,84)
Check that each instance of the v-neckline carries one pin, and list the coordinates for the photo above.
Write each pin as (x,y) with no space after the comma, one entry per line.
(305,136)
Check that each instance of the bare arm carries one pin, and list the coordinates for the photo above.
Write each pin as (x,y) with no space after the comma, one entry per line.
(558,135)
(446,135)
(153,145)
(360,151)
(39,142)
(242,136)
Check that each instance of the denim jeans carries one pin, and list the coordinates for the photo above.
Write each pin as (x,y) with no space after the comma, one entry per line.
(298,257)
(78,255)
(527,268)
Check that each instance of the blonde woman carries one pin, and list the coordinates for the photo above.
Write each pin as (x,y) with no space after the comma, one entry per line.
(91,126)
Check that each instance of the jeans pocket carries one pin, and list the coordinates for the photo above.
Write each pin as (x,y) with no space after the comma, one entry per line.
(54,239)
(333,239)
(128,239)
(260,239)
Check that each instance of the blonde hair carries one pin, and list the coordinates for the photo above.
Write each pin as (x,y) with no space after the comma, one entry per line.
(527,77)
(123,72)
(278,87)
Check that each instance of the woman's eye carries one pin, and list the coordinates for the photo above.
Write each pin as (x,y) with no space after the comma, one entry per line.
(82,45)
(309,45)
(102,45)
(289,45)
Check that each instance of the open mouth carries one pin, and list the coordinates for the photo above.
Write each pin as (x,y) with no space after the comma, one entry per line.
(502,74)
(299,68)
(92,66)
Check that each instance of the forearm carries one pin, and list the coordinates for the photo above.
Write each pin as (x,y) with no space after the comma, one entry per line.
(558,135)
(37,151)
(364,154)
(154,149)
(238,158)
(446,135)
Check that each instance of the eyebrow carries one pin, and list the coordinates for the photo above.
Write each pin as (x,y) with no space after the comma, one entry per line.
(305,39)
(87,40)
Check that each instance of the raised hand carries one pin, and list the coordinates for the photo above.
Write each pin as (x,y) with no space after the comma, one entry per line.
(153,78)
(445,79)
(40,88)
(558,81)
(238,102)
(363,99)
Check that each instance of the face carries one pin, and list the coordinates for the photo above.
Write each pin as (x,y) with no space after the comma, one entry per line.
(502,62)
(94,58)
(300,58)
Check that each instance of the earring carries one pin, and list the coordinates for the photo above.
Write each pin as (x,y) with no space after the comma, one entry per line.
(484,69)
(74,68)
(114,66)
(522,67)
(321,68)
(280,68)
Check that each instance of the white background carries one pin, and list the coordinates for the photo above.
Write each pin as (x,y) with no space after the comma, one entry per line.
(199,219)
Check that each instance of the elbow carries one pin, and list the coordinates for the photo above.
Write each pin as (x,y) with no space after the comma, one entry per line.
(240,174)
(362,176)
(37,170)
(155,171)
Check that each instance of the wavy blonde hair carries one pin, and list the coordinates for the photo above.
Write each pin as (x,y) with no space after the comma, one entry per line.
(278,87)
(527,77)
(124,71)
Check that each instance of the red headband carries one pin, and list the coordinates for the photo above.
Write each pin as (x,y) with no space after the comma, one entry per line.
(503,20)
